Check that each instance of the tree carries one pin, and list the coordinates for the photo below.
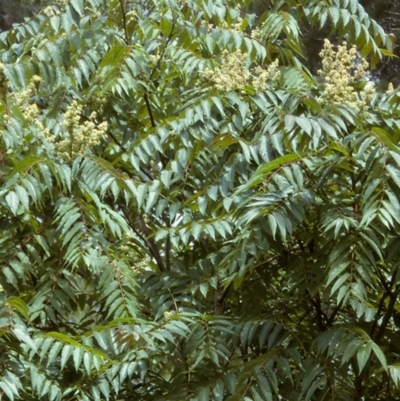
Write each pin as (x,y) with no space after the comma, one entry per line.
(188,213)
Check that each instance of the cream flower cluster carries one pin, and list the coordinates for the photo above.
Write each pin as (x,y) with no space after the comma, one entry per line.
(236,26)
(30,111)
(22,98)
(131,15)
(262,76)
(49,11)
(79,137)
(340,72)
(233,74)
(256,33)
(61,2)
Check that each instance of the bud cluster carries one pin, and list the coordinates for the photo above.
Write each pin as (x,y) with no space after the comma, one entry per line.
(78,137)
(233,74)
(340,71)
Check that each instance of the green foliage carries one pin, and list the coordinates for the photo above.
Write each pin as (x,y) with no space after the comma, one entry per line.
(236,244)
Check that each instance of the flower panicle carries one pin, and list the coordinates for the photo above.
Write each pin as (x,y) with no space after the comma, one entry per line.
(341,71)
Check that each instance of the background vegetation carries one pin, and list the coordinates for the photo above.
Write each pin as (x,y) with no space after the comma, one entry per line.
(189,212)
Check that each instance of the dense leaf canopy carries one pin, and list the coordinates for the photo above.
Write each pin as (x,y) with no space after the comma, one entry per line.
(188,213)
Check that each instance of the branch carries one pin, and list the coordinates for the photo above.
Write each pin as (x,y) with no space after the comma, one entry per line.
(168,253)
(333,315)
(149,110)
(386,318)
(378,314)
(385,285)
(266,262)
(219,298)
(145,96)
(318,311)
(150,242)
(389,311)
(124,20)
(146,238)
(115,140)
